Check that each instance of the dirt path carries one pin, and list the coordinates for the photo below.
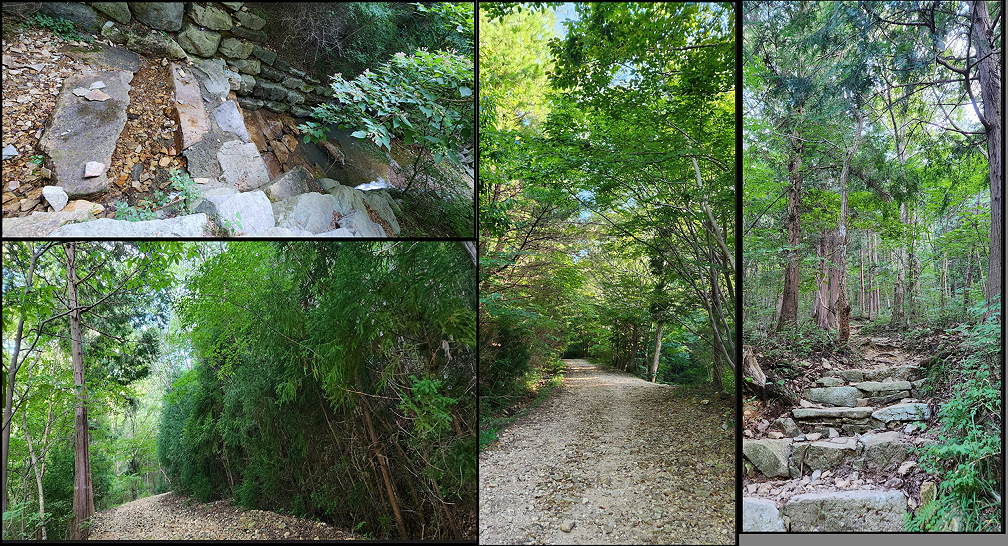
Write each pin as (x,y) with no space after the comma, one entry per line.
(625,460)
(169,516)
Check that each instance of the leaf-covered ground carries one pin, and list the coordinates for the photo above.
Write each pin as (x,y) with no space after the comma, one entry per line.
(169,516)
(625,460)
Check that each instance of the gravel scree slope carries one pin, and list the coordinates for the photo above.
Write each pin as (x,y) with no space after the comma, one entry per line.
(624,460)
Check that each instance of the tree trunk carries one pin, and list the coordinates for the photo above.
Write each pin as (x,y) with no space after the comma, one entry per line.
(899,318)
(989,74)
(657,352)
(633,350)
(969,281)
(843,306)
(83,500)
(383,465)
(38,471)
(789,305)
(12,374)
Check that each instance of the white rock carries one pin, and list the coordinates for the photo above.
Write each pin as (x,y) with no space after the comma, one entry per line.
(80,91)
(98,85)
(56,197)
(9,151)
(93,168)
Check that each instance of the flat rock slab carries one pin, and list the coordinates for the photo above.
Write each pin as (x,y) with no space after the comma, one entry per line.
(852,376)
(847,511)
(830,381)
(381,202)
(768,455)
(242,167)
(189,104)
(230,119)
(293,182)
(911,411)
(835,413)
(81,130)
(874,387)
(247,213)
(41,224)
(761,516)
(106,57)
(182,226)
(834,396)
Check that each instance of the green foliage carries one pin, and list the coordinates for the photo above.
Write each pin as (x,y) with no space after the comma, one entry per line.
(24,514)
(431,410)
(182,182)
(968,455)
(141,212)
(425,98)
(61,27)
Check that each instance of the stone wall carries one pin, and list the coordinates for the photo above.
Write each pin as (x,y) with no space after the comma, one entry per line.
(205,30)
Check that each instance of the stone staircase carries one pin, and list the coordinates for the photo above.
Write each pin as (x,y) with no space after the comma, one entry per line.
(838,462)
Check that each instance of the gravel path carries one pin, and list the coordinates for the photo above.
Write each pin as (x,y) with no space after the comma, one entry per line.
(169,516)
(625,460)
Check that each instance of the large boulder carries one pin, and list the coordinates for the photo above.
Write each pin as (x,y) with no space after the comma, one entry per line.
(214,76)
(767,455)
(41,224)
(915,411)
(293,182)
(381,202)
(249,20)
(183,226)
(242,167)
(847,512)
(83,17)
(269,90)
(308,211)
(235,49)
(116,10)
(264,55)
(884,449)
(247,84)
(246,213)
(761,516)
(154,44)
(199,42)
(826,454)
(159,15)
(833,396)
(209,16)
(230,119)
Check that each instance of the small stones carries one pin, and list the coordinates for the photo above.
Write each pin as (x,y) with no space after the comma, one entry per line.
(97,95)
(775,435)
(568,525)
(80,91)
(56,197)
(98,85)
(165,161)
(905,468)
(9,151)
(93,168)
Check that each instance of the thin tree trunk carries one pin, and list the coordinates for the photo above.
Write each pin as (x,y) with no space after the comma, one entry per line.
(657,352)
(35,467)
(383,465)
(83,500)
(12,372)
(969,282)
(636,340)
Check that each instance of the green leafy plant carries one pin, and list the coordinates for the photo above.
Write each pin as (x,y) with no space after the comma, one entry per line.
(228,226)
(430,409)
(62,28)
(139,213)
(182,182)
(314,132)
(36,159)
(426,98)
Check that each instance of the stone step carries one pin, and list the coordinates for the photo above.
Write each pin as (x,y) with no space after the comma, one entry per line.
(864,393)
(795,457)
(857,420)
(865,511)
(896,373)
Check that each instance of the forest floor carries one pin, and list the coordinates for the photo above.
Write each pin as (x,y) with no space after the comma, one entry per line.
(170,516)
(612,459)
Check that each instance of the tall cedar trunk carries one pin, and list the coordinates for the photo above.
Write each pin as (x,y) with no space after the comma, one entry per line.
(818,311)
(834,281)
(83,499)
(636,341)
(383,465)
(944,280)
(913,269)
(789,304)
(716,361)
(877,293)
(657,352)
(11,374)
(843,306)
(989,73)
(861,292)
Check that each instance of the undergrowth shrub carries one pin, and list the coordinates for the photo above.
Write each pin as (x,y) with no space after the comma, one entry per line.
(968,457)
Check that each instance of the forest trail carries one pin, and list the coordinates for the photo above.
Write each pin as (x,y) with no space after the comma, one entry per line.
(169,516)
(845,461)
(625,460)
